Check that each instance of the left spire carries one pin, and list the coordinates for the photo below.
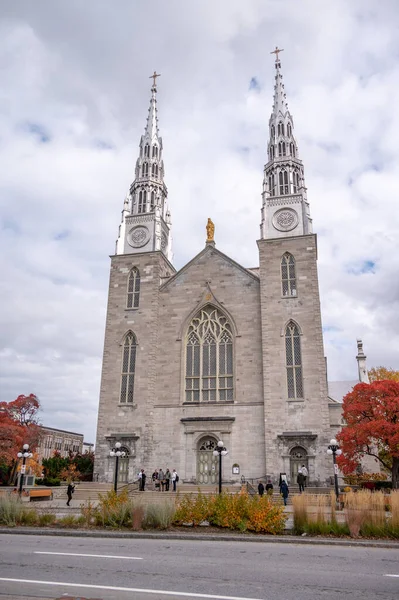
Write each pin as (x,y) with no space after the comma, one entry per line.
(147,194)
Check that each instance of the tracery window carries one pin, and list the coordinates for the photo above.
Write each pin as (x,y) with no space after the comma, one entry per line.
(272,132)
(152,204)
(289,130)
(146,150)
(144,171)
(288,277)
(280,128)
(271,184)
(292,149)
(128,368)
(133,288)
(209,357)
(155,152)
(155,170)
(293,361)
(271,151)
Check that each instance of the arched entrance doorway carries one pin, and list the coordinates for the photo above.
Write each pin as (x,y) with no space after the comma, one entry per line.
(298,457)
(207,464)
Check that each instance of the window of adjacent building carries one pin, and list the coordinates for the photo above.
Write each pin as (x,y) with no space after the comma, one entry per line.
(133,288)
(128,368)
(209,357)
(293,361)
(288,276)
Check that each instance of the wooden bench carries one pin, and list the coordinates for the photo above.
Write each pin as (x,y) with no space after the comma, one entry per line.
(38,494)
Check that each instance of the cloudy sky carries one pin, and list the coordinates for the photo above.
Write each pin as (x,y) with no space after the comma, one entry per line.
(74,95)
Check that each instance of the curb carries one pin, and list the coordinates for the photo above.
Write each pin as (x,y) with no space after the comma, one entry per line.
(289,539)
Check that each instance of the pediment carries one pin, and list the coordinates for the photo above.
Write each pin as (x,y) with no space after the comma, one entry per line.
(209,253)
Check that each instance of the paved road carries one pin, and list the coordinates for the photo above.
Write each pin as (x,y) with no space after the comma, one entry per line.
(147,569)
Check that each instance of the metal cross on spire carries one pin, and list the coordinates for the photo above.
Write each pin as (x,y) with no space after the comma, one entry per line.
(154,77)
(276,52)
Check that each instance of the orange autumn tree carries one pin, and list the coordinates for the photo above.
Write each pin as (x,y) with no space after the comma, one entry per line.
(382,374)
(371,413)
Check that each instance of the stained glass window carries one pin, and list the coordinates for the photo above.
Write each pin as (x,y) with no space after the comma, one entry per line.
(128,368)
(288,276)
(293,361)
(133,288)
(209,357)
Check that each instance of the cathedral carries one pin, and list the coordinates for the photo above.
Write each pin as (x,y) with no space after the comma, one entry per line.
(216,351)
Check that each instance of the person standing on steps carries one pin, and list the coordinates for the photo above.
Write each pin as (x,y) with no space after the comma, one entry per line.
(284,491)
(167,479)
(300,481)
(175,479)
(161,478)
(261,488)
(70,491)
(142,480)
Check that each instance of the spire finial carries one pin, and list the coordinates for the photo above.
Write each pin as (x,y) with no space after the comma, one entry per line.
(154,77)
(210,231)
(276,52)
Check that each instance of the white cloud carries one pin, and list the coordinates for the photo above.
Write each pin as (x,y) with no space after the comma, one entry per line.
(79,73)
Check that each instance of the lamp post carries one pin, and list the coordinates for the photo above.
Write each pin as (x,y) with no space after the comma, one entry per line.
(220,451)
(24,455)
(116,451)
(335,450)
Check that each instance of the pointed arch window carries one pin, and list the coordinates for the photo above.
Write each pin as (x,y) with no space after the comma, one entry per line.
(144,170)
(155,152)
(293,361)
(271,151)
(209,357)
(128,368)
(292,149)
(283,183)
(142,201)
(272,132)
(271,185)
(155,170)
(289,130)
(152,204)
(280,128)
(288,275)
(147,150)
(133,288)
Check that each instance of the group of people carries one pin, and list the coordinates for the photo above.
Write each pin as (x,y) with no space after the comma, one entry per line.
(163,481)
(283,484)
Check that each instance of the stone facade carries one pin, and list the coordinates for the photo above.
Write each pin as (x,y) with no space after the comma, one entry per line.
(270,403)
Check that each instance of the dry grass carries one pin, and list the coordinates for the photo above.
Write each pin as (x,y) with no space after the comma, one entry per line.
(394,497)
(300,507)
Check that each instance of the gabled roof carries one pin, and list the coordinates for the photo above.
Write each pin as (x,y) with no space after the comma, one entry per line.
(337,390)
(209,248)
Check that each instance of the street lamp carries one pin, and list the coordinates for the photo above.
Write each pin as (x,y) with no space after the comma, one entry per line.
(220,451)
(335,450)
(24,455)
(116,451)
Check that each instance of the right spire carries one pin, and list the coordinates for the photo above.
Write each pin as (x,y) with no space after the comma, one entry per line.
(285,210)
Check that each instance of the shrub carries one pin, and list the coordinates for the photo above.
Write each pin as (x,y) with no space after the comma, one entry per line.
(67,521)
(299,504)
(234,511)
(29,517)
(88,511)
(113,510)
(46,519)
(51,481)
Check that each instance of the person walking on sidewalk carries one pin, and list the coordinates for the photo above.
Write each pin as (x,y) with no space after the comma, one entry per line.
(70,491)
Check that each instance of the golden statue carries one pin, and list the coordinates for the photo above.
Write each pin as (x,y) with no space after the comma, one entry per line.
(210,231)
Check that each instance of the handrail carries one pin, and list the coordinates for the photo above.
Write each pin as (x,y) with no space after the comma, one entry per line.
(129,487)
